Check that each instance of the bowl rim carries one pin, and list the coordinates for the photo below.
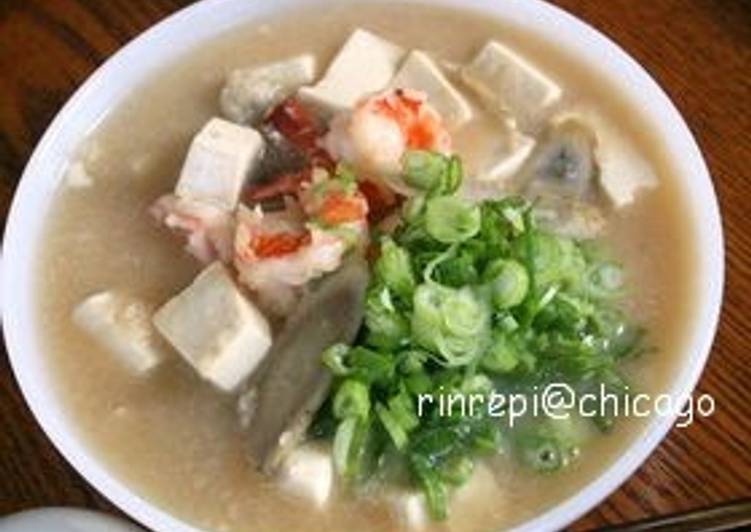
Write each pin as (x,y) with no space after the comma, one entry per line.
(142,56)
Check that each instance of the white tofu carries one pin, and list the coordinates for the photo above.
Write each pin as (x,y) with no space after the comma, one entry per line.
(410,509)
(250,92)
(308,472)
(122,324)
(508,83)
(624,172)
(220,158)
(465,503)
(471,499)
(508,159)
(364,65)
(216,328)
(420,72)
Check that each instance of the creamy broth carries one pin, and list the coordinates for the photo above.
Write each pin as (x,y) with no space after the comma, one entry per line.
(172,437)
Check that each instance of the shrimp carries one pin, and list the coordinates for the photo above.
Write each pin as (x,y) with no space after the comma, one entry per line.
(381,128)
(333,201)
(208,230)
(277,253)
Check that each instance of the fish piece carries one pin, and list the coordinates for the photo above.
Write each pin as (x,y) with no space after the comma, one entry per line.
(294,383)
(251,92)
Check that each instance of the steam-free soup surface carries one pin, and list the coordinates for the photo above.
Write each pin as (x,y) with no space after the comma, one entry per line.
(173,438)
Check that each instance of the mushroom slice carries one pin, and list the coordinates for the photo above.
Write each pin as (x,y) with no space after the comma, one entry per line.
(279,406)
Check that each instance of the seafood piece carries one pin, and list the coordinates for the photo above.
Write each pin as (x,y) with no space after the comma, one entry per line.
(280,157)
(276,253)
(300,128)
(561,176)
(382,201)
(294,384)
(276,264)
(250,92)
(334,201)
(564,165)
(208,230)
(375,136)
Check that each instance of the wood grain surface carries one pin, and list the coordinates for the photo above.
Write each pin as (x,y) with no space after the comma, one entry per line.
(698,50)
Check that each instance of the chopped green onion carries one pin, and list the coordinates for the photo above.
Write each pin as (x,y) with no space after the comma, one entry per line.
(350,447)
(541,453)
(345,434)
(403,411)
(453,324)
(465,299)
(456,470)
(434,489)
(333,358)
(419,383)
(450,219)
(605,280)
(413,360)
(391,424)
(371,366)
(454,175)
(509,283)
(387,327)
(394,268)
(502,356)
(424,170)
(352,400)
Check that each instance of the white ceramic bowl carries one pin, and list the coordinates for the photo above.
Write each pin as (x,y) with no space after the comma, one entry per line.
(188,28)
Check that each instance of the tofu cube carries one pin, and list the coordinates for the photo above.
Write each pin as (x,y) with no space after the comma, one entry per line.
(220,158)
(308,472)
(471,499)
(122,324)
(508,158)
(507,83)
(623,175)
(624,172)
(216,328)
(420,72)
(364,65)
(410,509)
(251,92)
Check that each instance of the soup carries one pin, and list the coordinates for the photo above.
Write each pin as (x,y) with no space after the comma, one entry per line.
(169,427)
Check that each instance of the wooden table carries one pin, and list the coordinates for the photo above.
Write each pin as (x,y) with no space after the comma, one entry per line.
(698,50)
